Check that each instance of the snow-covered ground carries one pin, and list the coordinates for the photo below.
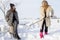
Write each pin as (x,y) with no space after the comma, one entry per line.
(31,32)
(29,9)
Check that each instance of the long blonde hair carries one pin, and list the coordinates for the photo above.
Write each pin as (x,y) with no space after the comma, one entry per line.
(45,6)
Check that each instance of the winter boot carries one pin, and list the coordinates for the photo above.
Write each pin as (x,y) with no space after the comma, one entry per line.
(16,36)
(41,34)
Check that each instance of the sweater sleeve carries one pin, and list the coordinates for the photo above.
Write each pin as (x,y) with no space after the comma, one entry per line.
(17,18)
(7,16)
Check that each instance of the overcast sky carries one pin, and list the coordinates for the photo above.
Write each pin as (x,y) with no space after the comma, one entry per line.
(31,8)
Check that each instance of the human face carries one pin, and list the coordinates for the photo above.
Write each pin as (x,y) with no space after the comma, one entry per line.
(44,3)
(14,8)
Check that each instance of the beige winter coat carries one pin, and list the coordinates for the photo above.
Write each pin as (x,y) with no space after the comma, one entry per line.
(49,13)
(9,17)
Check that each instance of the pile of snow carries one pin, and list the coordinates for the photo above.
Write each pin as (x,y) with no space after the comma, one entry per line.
(31,32)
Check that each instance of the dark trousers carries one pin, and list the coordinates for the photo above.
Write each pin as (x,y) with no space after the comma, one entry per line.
(15,26)
(46,28)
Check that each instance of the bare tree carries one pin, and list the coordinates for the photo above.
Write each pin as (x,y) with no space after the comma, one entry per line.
(3,6)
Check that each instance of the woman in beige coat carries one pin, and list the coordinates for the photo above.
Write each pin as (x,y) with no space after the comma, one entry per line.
(46,12)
